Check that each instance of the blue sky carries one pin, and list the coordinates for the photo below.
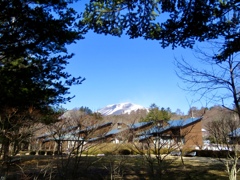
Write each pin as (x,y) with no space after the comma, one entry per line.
(127,70)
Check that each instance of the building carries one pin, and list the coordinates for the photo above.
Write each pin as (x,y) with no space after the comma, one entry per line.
(186,133)
(234,136)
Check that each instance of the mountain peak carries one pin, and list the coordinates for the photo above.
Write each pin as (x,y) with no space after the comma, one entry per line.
(120,108)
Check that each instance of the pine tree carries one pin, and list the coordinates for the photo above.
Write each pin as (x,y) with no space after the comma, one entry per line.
(33,57)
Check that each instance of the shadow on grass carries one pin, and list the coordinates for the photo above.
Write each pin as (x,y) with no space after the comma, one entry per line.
(209,172)
(134,168)
(191,171)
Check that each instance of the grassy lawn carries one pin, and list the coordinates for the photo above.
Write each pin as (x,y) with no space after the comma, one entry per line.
(114,167)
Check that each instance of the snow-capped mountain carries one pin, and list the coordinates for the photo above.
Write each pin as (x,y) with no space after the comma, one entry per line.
(121,108)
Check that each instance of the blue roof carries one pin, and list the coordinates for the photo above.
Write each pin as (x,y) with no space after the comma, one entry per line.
(45,135)
(69,137)
(140,124)
(157,129)
(173,124)
(89,128)
(145,136)
(94,139)
(182,122)
(132,126)
(66,137)
(235,133)
(70,128)
(114,131)
(48,139)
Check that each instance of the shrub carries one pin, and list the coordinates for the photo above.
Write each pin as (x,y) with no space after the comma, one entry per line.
(214,154)
(41,152)
(22,152)
(124,152)
(49,153)
(108,153)
(32,153)
(135,152)
(57,153)
(165,151)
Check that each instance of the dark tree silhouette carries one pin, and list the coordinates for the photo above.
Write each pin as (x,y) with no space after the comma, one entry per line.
(33,56)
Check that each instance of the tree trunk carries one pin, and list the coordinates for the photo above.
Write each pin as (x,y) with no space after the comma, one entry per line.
(233,173)
(182,161)
(5,145)
(232,169)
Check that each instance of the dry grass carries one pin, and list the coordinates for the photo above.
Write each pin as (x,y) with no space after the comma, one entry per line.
(129,167)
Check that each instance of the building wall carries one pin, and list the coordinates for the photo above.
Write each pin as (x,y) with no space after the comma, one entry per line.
(188,137)
(192,135)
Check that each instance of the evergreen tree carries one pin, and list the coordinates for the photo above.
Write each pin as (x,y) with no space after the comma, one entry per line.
(86,110)
(33,57)
(156,114)
(171,22)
